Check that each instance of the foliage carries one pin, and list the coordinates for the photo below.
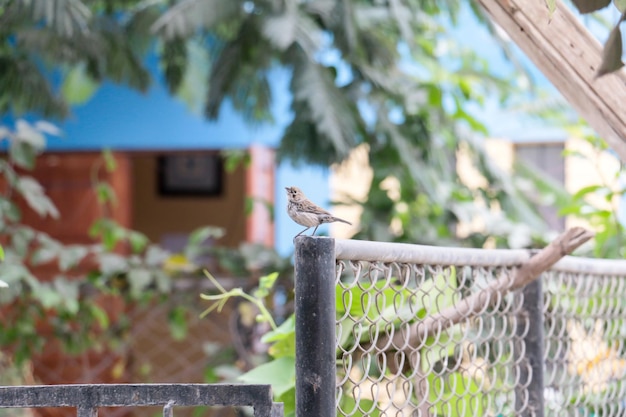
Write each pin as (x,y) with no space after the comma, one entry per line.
(599,204)
(383,75)
(80,43)
(265,285)
(60,291)
(365,304)
(280,370)
(599,200)
(62,305)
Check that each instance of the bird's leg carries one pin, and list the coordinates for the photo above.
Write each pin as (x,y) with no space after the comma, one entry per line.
(302,232)
(315,230)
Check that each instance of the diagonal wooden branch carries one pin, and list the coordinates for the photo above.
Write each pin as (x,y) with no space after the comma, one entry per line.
(472,305)
(569,56)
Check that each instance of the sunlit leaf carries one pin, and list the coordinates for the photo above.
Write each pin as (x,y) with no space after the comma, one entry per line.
(101,316)
(279,373)
(105,193)
(187,16)
(78,87)
(35,196)
(71,255)
(587,190)
(139,280)
(109,160)
(200,235)
(138,241)
(266,283)
(47,127)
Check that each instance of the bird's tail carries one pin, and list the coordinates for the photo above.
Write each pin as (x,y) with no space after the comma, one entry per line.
(337,219)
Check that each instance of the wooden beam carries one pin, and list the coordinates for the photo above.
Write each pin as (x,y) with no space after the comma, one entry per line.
(569,56)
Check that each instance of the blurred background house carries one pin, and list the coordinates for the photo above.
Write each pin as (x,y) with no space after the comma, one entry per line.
(171,178)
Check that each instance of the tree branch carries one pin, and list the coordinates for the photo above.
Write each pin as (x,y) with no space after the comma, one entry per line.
(472,305)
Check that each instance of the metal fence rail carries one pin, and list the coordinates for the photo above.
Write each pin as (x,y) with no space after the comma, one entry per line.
(87,398)
(556,347)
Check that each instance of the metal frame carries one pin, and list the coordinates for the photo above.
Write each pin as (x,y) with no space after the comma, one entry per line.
(361,250)
(315,327)
(87,398)
(531,378)
(315,262)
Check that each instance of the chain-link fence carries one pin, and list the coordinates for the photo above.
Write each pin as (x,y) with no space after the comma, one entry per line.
(585,335)
(407,343)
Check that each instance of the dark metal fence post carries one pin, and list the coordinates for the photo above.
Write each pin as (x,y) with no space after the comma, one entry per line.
(531,327)
(315,327)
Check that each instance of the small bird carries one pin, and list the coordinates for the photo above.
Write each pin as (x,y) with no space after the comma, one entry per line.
(305,213)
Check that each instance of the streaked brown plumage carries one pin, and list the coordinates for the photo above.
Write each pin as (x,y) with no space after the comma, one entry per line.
(305,213)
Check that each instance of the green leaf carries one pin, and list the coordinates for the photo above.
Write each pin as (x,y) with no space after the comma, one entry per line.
(109,160)
(174,61)
(10,210)
(46,127)
(324,105)
(284,330)
(78,86)
(71,255)
(112,263)
(21,240)
(234,158)
(65,17)
(288,398)
(155,255)
(47,296)
(187,16)
(44,255)
(31,135)
(138,241)
(108,231)
(105,193)
(22,154)
(587,190)
(177,320)
(199,236)
(551,6)
(266,283)
(1,253)
(15,273)
(100,315)
(34,194)
(163,281)
(139,279)
(68,291)
(280,373)
(284,347)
